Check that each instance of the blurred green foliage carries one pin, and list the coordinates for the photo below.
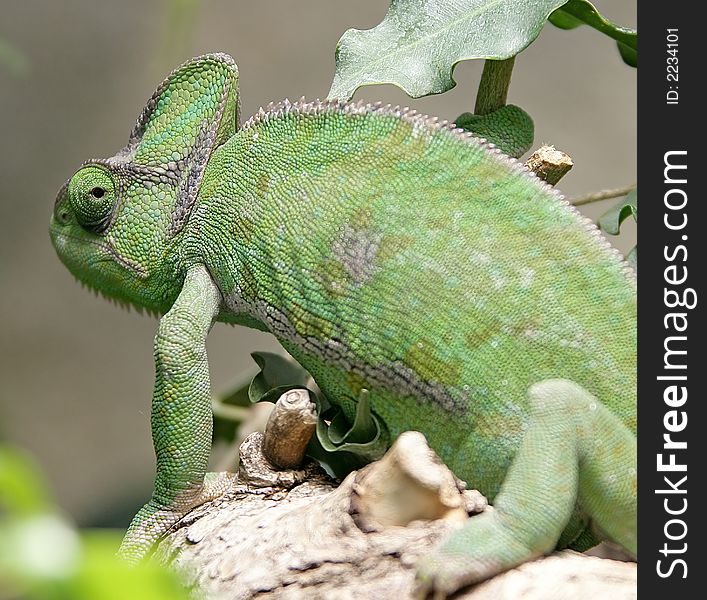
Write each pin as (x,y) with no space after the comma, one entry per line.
(13,58)
(43,557)
(177,36)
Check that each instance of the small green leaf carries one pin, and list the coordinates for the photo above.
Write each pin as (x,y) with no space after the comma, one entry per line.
(364,428)
(277,375)
(340,447)
(581,12)
(336,464)
(363,438)
(632,258)
(419,42)
(509,128)
(628,54)
(611,220)
(564,20)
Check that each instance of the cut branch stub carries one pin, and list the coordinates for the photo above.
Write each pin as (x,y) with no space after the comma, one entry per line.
(549,164)
(289,429)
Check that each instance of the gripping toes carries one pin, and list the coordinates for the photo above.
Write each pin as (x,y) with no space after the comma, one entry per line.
(441,574)
(485,546)
(154,520)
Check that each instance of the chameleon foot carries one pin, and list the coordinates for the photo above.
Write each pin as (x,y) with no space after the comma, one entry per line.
(439,576)
(483,548)
(155,519)
(574,452)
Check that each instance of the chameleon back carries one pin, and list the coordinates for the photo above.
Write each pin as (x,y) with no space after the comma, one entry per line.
(389,252)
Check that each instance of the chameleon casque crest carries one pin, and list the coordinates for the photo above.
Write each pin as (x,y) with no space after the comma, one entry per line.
(387,252)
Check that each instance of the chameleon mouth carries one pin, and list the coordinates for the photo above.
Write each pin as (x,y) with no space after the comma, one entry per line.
(107,254)
(81,269)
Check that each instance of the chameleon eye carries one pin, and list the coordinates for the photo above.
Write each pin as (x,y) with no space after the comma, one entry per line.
(92,198)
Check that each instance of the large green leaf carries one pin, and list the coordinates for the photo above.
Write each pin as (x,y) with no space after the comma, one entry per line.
(419,42)
(581,12)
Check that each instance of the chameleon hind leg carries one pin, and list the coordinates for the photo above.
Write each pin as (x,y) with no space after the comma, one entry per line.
(574,452)
(181,417)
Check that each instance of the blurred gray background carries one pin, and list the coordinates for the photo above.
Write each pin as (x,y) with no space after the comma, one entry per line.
(75,371)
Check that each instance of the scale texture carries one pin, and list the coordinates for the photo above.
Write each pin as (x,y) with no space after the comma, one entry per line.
(387,252)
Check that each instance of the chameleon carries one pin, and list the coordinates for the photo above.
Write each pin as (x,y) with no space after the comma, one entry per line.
(387,251)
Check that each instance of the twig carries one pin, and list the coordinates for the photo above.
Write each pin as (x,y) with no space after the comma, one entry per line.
(602,195)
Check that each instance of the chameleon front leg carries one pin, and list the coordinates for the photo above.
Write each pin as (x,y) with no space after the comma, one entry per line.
(181,416)
(575,451)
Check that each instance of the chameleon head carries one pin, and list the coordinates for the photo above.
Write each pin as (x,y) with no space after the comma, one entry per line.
(117,220)
(109,228)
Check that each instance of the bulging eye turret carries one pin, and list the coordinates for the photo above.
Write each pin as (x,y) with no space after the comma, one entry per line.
(92,198)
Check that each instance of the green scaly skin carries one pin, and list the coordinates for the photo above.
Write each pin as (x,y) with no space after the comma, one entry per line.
(387,252)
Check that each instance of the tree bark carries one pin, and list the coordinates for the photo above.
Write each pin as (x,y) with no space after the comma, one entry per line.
(291,534)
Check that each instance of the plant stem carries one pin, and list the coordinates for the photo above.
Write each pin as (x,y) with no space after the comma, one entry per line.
(493,87)
(237,414)
(602,195)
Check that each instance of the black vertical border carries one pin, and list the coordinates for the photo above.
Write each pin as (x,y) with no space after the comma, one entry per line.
(664,127)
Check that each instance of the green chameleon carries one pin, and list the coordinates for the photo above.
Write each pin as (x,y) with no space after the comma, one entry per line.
(386,252)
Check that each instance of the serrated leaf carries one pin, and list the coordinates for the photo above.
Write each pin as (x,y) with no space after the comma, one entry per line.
(581,12)
(611,220)
(419,42)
